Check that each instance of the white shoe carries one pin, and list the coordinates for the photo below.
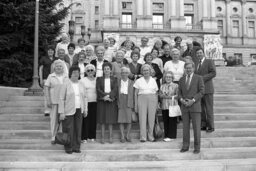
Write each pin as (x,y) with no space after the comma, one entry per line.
(84,141)
(167,139)
(92,140)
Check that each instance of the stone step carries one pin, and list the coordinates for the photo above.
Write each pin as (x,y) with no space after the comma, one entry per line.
(45,125)
(43,144)
(235,97)
(41,134)
(232,109)
(26,98)
(195,165)
(235,103)
(126,155)
(23,104)
(234,116)
(23,117)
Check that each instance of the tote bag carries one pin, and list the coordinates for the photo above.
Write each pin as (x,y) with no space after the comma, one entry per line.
(174,109)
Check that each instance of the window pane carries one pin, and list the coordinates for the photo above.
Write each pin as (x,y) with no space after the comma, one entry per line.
(79,20)
(189,7)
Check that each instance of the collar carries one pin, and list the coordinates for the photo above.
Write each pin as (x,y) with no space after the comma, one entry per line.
(202,60)
(191,75)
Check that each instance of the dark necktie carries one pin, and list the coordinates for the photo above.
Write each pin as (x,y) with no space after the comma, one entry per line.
(187,81)
(199,65)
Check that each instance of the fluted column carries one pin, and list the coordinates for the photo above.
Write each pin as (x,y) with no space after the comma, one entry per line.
(173,8)
(205,8)
(228,20)
(107,7)
(213,11)
(148,7)
(244,28)
(140,8)
(181,8)
(115,7)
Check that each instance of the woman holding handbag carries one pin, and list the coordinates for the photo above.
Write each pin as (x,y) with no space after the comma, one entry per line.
(168,94)
(125,103)
(72,108)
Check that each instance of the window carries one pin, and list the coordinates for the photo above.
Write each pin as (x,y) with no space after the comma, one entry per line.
(127,5)
(189,7)
(126,20)
(79,20)
(96,24)
(220,26)
(235,29)
(251,28)
(189,21)
(158,6)
(96,10)
(158,21)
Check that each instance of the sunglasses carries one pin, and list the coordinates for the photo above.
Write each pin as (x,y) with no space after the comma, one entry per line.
(90,70)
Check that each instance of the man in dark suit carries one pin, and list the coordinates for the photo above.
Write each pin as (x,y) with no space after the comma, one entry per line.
(206,68)
(191,90)
(167,54)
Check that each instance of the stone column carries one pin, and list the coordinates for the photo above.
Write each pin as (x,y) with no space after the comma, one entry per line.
(140,8)
(111,15)
(209,21)
(228,20)
(115,7)
(181,8)
(213,7)
(205,8)
(148,8)
(173,8)
(107,7)
(244,24)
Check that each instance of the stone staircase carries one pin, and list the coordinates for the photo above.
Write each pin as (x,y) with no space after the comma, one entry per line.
(25,137)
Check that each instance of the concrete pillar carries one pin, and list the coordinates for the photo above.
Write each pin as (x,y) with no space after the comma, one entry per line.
(213,11)
(140,8)
(115,7)
(107,7)
(173,8)
(181,8)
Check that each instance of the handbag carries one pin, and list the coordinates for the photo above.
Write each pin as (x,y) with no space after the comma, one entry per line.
(158,132)
(62,138)
(174,109)
(135,117)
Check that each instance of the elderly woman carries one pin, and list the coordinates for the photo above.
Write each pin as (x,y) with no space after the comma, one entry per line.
(89,51)
(71,52)
(81,64)
(168,91)
(63,44)
(128,48)
(118,64)
(125,103)
(81,45)
(134,66)
(109,52)
(107,92)
(89,123)
(175,65)
(72,107)
(100,50)
(157,73)
(146,102)
(52,91)
(156,59)
(159,46)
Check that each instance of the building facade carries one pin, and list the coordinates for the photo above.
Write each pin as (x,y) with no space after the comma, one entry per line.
(233,20)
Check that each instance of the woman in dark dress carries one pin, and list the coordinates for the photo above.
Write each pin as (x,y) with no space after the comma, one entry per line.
(107,92)
(157,73)
(134,66)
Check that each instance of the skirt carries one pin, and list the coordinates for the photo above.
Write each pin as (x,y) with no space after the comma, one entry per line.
(124,112)
(106,112)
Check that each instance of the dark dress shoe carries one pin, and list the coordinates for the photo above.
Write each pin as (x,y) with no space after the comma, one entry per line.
(203,129)
(128,139)
(209,130)
(196,151)
(46,114)
(142,141)
(53,142)
(77,151)
(183,150)
(122,140)
(69,152)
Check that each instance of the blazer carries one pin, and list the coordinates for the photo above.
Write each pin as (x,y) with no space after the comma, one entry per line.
(208,72)
(67,99)
(100,86)
(94,62)
(134,70)
(130,102)
(195,91)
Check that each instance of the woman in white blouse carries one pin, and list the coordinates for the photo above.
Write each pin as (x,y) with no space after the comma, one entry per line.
(146,102)
(72,108)
(176,66)
(89,123)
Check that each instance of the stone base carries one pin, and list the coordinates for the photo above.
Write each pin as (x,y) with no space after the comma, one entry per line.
(36,92)
(144,23)
(209,24)
(178,23)
(111,22)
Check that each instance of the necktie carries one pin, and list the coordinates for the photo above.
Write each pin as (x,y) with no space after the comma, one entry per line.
(199,65)
(187,81)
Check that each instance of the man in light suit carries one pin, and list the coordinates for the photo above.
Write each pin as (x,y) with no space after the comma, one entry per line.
(206,68)
(191,90)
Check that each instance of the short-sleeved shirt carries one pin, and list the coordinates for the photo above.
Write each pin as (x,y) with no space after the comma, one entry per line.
(145,87)
(46,62)
(55,84)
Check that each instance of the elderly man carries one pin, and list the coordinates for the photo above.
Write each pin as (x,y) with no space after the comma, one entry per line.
(167,54)
(206,68)
(191,51)
(191,90)
(144,48)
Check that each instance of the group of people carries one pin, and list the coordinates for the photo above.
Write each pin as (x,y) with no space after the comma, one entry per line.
(107,86)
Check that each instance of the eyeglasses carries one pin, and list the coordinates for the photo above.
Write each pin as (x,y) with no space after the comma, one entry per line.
(90,70)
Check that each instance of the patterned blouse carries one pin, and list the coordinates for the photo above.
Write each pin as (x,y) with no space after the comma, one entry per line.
(169,90)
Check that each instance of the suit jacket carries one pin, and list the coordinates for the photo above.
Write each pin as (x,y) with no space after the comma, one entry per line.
(100,87)
(195,91)
(94,62)
(67,99)
(208,72)
(134,70)
(130,102)
(191,53)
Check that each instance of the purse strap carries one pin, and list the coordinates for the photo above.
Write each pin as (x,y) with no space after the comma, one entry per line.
(172,101)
